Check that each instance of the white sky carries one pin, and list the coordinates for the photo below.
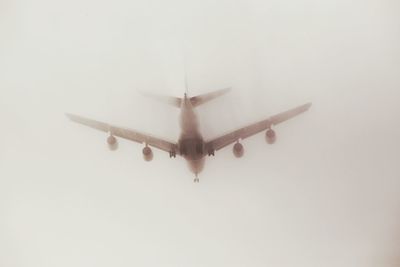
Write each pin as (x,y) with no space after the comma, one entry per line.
(326,194)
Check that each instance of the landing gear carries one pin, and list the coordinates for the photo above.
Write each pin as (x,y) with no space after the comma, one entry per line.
(196,179)
(172,154)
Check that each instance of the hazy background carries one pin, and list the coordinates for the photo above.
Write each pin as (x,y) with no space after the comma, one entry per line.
(326,194)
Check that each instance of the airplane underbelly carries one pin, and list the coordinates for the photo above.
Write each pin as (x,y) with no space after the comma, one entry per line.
(191,148)
(196,166)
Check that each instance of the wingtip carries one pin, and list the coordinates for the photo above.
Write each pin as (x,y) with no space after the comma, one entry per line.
(141,92)
(227,90)
(70,116)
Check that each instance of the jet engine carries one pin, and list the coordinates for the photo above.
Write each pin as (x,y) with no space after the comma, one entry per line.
(147,154)
(270,136)
(112,143)
(238,150)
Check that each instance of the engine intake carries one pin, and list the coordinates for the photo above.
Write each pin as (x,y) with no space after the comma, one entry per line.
(238,150)
(112,143)
(270,136)
(147,154)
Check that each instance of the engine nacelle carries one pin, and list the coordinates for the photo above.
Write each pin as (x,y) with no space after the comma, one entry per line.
(147,154)
(112,143)
(238,150)
(270,136)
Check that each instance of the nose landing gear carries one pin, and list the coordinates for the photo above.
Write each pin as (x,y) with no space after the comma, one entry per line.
(196,179)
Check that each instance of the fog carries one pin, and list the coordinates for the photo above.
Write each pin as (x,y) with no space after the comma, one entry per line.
(326,194)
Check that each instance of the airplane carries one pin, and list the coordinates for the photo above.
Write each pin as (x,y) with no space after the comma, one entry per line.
(191,145)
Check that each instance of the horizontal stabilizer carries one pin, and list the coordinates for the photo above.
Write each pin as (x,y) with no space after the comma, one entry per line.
(170,100)
(204,98)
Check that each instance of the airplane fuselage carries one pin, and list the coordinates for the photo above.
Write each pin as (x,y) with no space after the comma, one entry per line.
(191,144)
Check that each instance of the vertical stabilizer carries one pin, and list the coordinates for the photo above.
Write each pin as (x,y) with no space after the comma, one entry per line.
(186,85)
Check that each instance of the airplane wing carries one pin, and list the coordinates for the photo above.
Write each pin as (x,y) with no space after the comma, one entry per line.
(126,133)
(254,128)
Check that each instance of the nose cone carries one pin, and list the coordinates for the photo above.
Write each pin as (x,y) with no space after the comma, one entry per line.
(197,166)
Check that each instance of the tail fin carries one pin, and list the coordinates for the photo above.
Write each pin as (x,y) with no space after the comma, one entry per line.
(170,100)
(186,84)
(201,99)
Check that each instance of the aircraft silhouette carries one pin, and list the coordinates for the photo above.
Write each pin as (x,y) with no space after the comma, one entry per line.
(191,144)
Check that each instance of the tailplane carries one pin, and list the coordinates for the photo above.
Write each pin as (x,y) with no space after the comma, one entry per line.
(204,98)
(195,100)
(170,100)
